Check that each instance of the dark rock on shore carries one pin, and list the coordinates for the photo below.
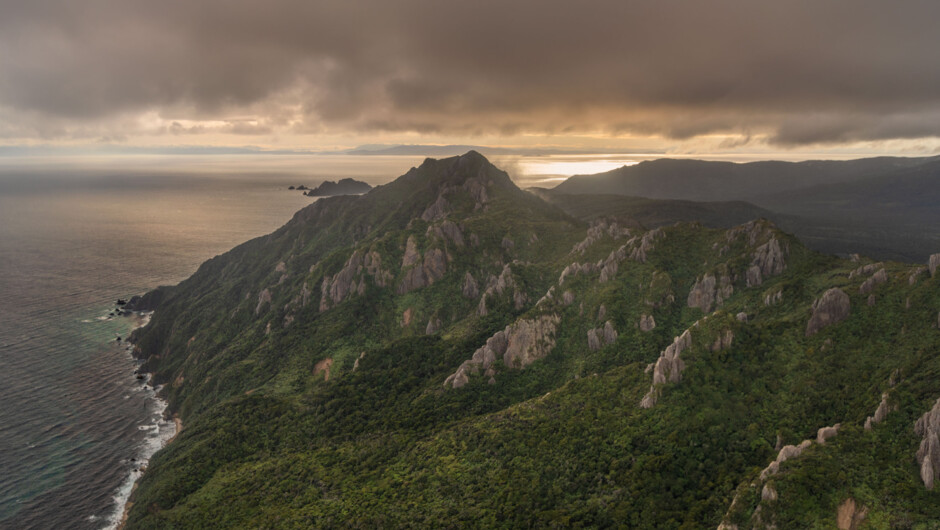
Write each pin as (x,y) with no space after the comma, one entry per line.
(343,187)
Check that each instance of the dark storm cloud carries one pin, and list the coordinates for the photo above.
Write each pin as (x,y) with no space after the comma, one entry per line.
(803,71)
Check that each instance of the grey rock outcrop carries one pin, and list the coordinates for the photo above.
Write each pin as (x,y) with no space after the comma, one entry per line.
(597,230)
(770,258)
(470,289)
(774,298)
(825,433)
(884,407)
(768,492)
(264,297)
(865,270)
(412,255)
(647,323)
(567,298)
(723,340)
(869,285)
(437,210)
(642,250)
(708,291)
(850,515)
(424,272)
(786,453)
(933,264)
(928,455)
(833,307)
(343,284)
(912,279)
(668,368)
(434,325)
(447,230)
(519,345)
(497,287)
(600,337)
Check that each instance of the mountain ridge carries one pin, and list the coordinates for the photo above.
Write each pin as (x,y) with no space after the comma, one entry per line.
(609,374)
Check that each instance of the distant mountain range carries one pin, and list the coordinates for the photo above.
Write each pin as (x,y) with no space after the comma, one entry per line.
(883,207)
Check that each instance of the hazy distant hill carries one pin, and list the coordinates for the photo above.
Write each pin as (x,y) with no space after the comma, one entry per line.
(882,207)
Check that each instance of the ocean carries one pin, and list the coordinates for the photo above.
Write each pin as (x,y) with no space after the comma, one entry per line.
(76,234)
(75,423)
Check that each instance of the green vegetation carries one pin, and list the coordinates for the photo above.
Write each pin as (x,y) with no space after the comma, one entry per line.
(269,443)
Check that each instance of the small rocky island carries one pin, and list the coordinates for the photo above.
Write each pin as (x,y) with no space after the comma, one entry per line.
(343,187)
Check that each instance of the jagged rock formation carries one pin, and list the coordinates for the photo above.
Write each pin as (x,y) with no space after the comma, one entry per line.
(497,286)
(788,452)
(831,308)
(567,298)
(341,285)
(769,258)
(933,263)
(869,285)
(600,337)
(647,323)
(912,278)
(706,291)
(470,289)
(773,298)
(434,325)
(768,492)
(641,251)
(407,316)
(928,455)
(519,345)
(574,269)
(424,273)
(668,368)
(597,230)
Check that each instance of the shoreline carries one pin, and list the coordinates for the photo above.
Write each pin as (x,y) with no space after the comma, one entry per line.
(150,445)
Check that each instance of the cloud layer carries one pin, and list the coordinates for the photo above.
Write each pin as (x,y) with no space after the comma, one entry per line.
(796,72)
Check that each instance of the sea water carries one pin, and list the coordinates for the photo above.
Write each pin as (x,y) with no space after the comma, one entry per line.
(76,425)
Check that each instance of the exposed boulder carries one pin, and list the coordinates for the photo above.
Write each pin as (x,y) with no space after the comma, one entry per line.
(884,407)
(850,515)
(753,276)
(264,297)
(406,317)
(768,492)
(741,317)
(833,307)
(933,263)
(470,289)
(869,285)
(280,267)
(824,433)
(928,455)
(567,298)
(647,323)
(324,367)
(668,368)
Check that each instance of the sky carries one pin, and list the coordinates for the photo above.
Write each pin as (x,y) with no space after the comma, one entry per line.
(782,79)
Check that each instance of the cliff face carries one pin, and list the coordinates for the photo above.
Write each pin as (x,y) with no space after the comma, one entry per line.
(448,348)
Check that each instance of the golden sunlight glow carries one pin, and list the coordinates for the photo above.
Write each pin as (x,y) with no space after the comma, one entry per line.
(572,165)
